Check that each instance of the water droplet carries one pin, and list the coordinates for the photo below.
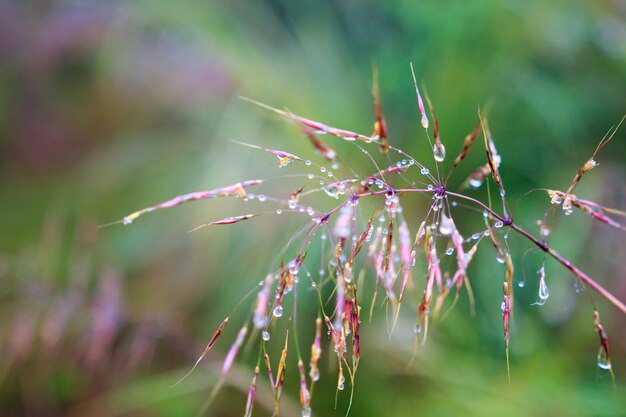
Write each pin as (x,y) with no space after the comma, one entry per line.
(279,211)
(499,224)
(603,361)
(262,198)
(335,165)
(310,211)
(430,187)
(127,220)
(322,169)
(424,171)
(476,236)
(306,412)
(265,335)
(500,258)
(341,384)
(521,284)
(439,152)
(307,162)
(278,311)
(310,176)
(292,204)
(475,182)
(449,251)
(332,191)
(544,293)
(313,284)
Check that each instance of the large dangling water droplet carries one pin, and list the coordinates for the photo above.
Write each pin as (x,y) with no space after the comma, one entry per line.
(278,311)
(439,152)
(265,335)
(341,384)
(306,412)
(544,293)
(603,360)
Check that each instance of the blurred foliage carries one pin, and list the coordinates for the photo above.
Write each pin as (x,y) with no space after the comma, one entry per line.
(107,107)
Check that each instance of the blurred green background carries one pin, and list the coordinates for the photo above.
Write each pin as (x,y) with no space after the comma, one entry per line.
(107,107)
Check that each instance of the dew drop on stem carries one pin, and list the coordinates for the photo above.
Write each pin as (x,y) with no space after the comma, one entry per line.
(341,384)
(439,152)
(543,293)
(603,361)
(475,183)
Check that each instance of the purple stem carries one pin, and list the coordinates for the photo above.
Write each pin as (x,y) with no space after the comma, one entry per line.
(547,249)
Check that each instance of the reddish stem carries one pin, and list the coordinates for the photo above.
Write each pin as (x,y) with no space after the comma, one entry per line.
(547,249)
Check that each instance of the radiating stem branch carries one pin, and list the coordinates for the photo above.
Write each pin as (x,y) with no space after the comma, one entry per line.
(547,249)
